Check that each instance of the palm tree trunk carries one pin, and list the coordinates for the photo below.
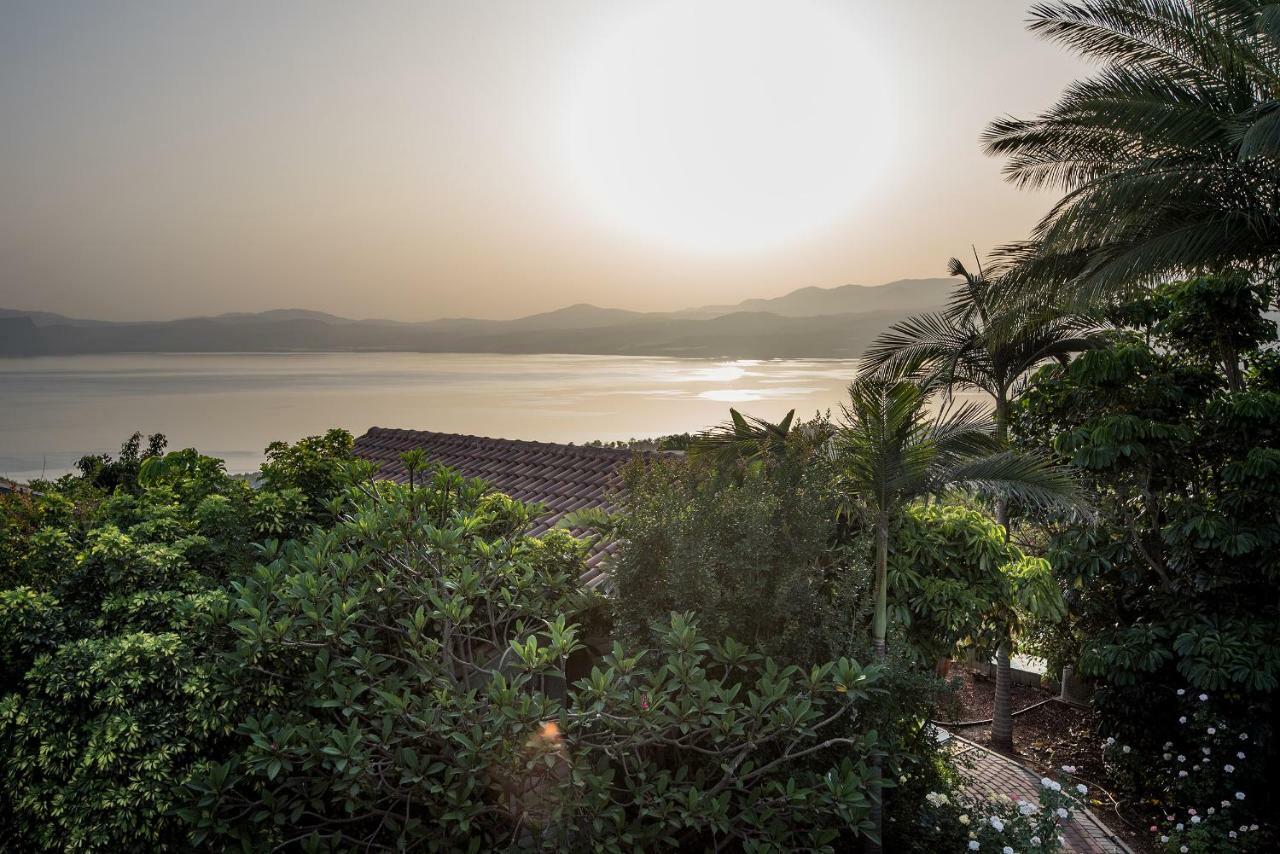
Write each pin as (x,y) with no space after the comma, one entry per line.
(1002,712)
(879,629)
(880,617)
(1002,715)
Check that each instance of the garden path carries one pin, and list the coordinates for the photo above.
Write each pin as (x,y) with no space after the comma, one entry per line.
(991,774)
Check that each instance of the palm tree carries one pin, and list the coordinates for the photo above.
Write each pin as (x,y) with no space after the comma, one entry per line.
(892,452)
(743,438)
(1169,156)
(988,340)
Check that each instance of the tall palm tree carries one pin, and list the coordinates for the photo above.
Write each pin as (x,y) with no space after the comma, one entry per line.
(893,451)
(987,340)
(1169,156)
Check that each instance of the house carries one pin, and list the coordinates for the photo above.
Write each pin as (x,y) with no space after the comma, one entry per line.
(10,486)
(562,478)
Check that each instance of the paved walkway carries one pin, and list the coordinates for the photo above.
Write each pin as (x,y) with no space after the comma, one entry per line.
(993,774)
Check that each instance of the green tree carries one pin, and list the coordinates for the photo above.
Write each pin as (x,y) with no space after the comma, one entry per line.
(1175,588)
(1167,156)
(113,612)
(410,667)
(988,340)
(893,452)
(954,576)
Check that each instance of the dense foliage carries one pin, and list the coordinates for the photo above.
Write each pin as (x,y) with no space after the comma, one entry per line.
(762,556)
(1178,585)
(113,601)
(954,577)
(411,665)
(390,666)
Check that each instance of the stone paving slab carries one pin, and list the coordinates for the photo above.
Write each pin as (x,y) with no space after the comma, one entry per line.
(991,774)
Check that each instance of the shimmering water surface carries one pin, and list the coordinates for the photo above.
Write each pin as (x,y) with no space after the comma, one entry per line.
(54,409)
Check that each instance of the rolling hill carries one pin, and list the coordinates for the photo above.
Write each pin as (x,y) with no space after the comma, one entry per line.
(807,323)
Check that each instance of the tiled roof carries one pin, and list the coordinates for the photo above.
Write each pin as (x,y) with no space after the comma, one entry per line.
(563,478)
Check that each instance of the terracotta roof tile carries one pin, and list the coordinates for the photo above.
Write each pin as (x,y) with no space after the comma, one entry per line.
(563,478)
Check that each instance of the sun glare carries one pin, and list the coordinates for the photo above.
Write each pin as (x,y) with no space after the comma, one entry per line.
(726,125)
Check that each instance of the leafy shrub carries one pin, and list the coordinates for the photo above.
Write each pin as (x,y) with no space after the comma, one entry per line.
(113,612)
(954,577)
(959,820)
(1203,776)
(410,673)
(762,556)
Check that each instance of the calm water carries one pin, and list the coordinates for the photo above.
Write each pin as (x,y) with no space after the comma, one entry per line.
(55,409)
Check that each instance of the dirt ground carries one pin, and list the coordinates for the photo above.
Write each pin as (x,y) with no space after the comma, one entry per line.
(1048,737)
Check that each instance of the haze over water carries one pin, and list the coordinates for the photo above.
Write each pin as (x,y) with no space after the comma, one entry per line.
(55,409)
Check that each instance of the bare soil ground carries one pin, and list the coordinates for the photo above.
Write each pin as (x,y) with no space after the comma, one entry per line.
(1048,737)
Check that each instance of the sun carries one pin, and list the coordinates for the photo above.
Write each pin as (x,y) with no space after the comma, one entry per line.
(726,125)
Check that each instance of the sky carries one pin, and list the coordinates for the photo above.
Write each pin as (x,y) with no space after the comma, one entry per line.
(497,158)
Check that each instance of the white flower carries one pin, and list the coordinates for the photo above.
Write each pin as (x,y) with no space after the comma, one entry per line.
(1179,827)
(1110,741)
(936,799)
(1006,850)
(1206,750)
(1051,784)
(973,845)
(1062,812)
(1182,720)
(1239,796)
(1164,839)
(1212,730)
(997,823)
(1027,808)
(1184,849)
(1082,789)
(1195,767)
(1195,819)
(1126,748)
(1211,810)
(1244,736)
(1181,758)
(1244,828)
(1035,840)
(964,819)
(1181,691)
(1168,756)
(1204,697)
(1232,834)
(1182,773)
(1239,754)
(1070,769)
(1229,768)
(1226,804)
(1253,827)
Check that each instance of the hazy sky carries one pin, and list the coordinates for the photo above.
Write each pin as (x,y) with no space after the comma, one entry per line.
(422,159)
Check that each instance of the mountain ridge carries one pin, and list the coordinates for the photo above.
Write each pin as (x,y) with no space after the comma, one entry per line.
(844,321)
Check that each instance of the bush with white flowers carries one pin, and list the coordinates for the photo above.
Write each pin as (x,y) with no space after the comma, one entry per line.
(962,821)
(1201,781)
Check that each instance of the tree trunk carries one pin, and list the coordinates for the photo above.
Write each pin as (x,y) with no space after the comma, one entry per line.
(880,617)
(879,629)
(1002,712)
(1002,716)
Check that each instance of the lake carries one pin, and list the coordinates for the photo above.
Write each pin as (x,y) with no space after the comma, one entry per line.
(55,409)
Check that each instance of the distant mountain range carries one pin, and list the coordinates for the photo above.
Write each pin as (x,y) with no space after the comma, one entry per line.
(808,323)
